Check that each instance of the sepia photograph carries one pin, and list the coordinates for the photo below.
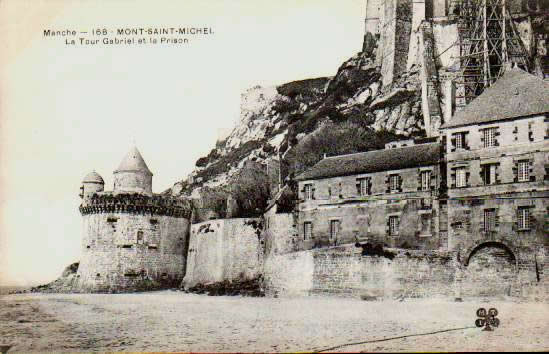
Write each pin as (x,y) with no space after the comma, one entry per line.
(274,176)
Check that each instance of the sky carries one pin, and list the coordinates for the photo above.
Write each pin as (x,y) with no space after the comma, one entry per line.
(68,109)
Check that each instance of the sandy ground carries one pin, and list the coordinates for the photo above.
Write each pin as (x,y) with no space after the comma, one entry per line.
(174,321)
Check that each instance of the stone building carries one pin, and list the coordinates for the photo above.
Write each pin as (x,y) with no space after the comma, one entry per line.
(498,168)
(477,198)
(132,239)
(387,197)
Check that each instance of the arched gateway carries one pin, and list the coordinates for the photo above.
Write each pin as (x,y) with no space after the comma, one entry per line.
(490,270)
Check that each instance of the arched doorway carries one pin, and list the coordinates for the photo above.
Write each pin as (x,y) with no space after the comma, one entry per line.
(490,270)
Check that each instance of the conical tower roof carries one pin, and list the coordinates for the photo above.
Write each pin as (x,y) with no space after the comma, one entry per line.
(133,162)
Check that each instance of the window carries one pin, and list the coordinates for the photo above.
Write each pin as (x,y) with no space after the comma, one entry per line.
(307,230)
(523,171)
(139,236)
(425,223)
(489,174)
(490,137)
(460,140)
(489,219)
(394,183)
(393,225)
(334,228)
(308,191)
(425,180)
(364,187)
(461,177)
(523,218)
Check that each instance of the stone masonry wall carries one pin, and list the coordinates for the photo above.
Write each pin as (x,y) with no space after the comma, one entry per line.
(224,249)
(279,232)
(343,271)
(125,252)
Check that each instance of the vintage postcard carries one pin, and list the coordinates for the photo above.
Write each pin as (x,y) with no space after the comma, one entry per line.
(274,176)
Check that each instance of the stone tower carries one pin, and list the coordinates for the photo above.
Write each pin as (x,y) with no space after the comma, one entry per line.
(132,239)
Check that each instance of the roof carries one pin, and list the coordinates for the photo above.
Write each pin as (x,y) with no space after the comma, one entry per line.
(93,177)
(133,162)
(515,94)
(374,161)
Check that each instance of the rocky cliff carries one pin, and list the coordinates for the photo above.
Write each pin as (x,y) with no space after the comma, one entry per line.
(286,129)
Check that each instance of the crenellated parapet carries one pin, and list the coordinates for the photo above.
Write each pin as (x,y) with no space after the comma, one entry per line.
(134,203)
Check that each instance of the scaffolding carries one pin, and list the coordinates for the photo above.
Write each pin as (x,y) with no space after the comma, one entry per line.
(488,40)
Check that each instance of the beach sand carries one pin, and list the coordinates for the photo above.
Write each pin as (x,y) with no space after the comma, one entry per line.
(175,321)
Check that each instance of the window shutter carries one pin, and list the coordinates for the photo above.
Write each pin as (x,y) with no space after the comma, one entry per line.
(531,171)
(467,223)
(515,225)
(496,140)
(388,184)
(453,143)
(496,222)
(515,172)
(465,142)
(399,183)
(358,186)
(419,179)
(467,175)
(498,181)
(481,135)
(369,186)
(532,219)
(388,226)
(313,192)
(453,179)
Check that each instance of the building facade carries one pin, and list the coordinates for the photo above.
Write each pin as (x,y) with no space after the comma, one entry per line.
(132,238)
(387,197)
(498,171)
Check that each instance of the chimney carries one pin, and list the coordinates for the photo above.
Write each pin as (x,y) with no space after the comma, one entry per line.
(449,99)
